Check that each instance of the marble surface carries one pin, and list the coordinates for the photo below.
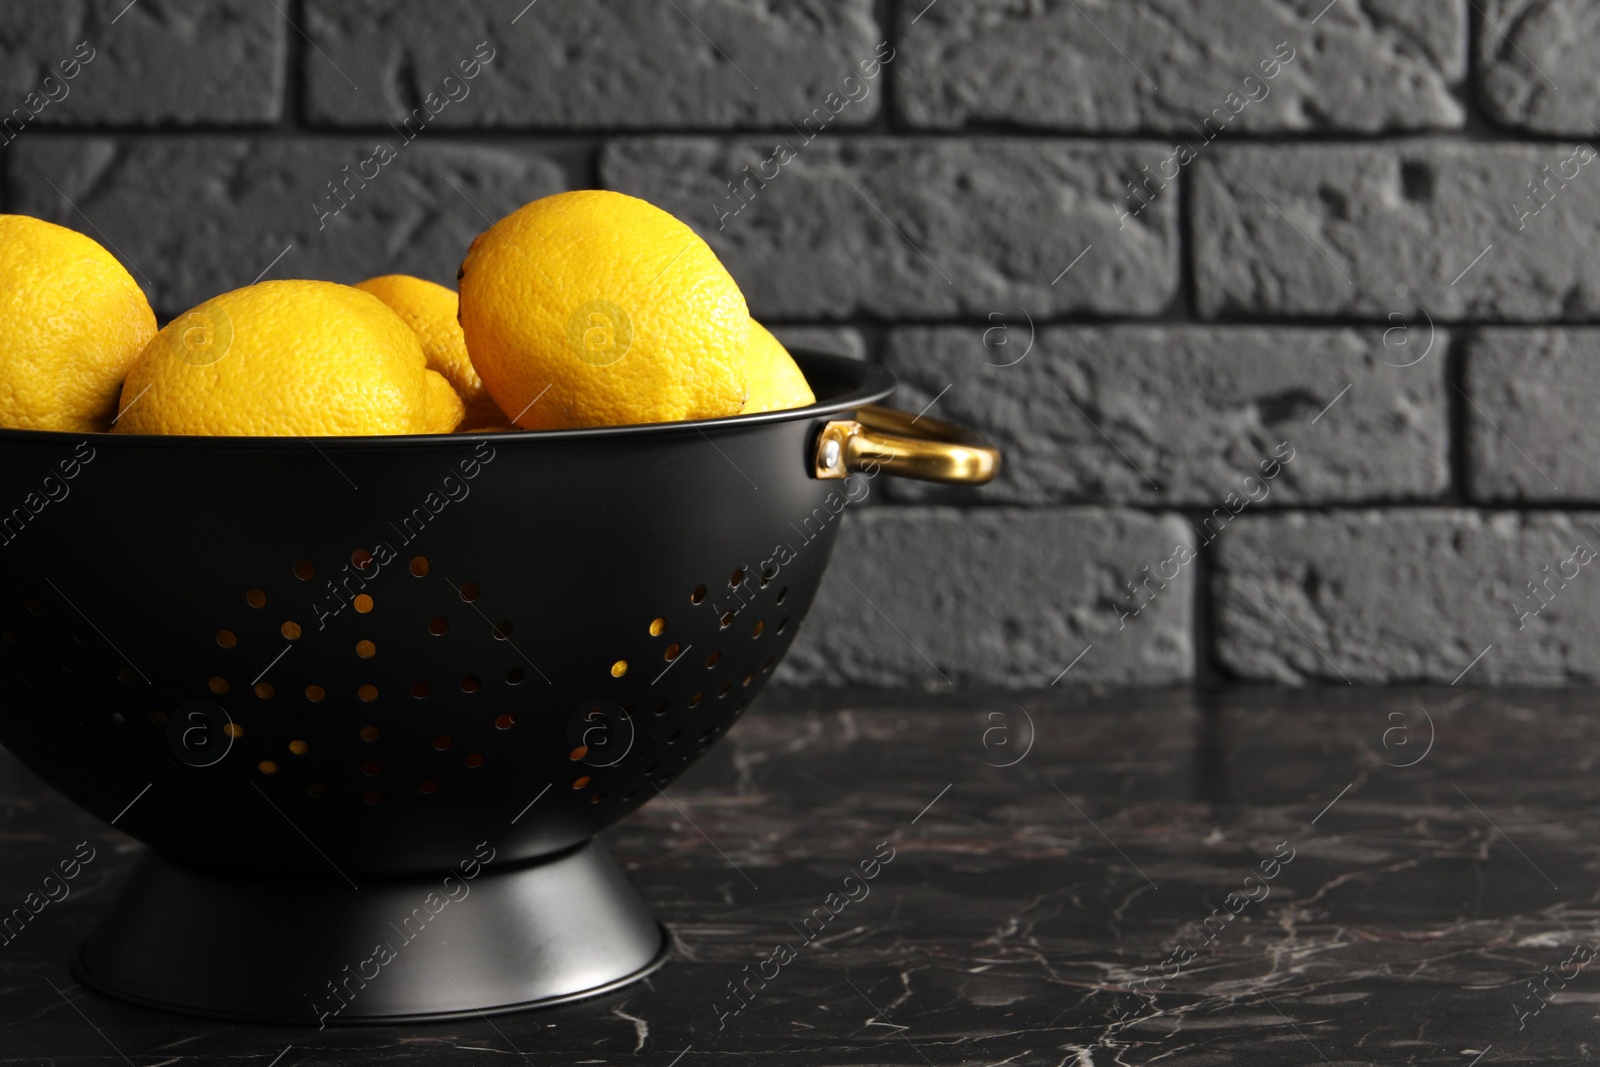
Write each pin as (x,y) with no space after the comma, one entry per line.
(1244,877)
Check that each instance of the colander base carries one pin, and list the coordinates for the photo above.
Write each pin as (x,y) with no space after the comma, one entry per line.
(327,952)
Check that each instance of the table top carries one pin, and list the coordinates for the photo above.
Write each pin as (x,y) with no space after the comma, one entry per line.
(1066,879)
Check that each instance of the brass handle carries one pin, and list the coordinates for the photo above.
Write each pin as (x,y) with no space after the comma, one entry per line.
(911,446)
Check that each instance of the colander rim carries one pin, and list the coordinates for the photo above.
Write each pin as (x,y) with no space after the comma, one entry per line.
(862,382)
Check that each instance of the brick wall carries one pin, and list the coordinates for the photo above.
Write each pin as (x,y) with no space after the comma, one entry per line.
(1280,308)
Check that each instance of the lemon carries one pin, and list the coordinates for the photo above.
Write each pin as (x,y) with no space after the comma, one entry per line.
(593,308)
(72,320)
(430,310)
(775,381)
(285,358)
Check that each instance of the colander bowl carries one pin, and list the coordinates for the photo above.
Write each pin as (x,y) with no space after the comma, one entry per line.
(368,700)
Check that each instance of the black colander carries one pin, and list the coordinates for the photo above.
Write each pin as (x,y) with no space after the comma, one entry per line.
(380,693)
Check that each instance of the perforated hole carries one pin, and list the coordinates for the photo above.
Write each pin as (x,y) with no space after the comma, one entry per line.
(578,753)
(316,792)
(727,687)
(290,629)
(438,626)
(698,595)
(657,626)
(304,571)
(757,630)
(218,686)
(370,733)
(36,609)
(127,674)
(470,684)
(442,743)
(737,579)
(677,735)
(505,722)
(372,796)
(159,718)
(255,598)
(783,624)
(372,768)
(316,694)
(266,766)
(428,786)
(362,603)
(232,729)
(782,593)
(264,690)
(366,649)
(713,659)
(361,558)
(502,630)
(419,566)
(298,748)
(694,701)
(420,690)
(225,638)
(749,678)
(369,693)
(10,638)
(469,592)
(726,620)
(475,760)
(671,652)
(619,668)
(581,782)
(661,708)
(597,798)
(516,676)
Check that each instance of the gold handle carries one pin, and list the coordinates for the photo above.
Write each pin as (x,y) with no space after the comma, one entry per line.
(912,446)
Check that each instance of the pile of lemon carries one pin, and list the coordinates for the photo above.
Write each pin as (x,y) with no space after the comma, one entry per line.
(586,308)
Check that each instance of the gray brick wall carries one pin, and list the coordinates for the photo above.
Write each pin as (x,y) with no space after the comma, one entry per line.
(1285,311)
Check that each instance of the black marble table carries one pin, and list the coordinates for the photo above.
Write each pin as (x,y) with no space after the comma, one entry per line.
(1064,879)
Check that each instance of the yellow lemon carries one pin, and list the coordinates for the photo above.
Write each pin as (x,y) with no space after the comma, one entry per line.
(592,308)
(775,381)
(430,310)
(72,320)
(287,358)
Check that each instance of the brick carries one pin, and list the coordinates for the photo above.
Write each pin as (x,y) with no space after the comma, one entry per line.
(1160,65)
(607,64)
(915,227)
(996,597)
(193,218)
(830,340)
(1347,229)
(1531,433)
(1409,595)
(1196,409)
(179,62)
(1535,64)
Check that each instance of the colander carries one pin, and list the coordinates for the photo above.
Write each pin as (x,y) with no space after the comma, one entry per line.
(368,700)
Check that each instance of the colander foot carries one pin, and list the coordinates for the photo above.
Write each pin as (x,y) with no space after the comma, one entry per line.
(481,939)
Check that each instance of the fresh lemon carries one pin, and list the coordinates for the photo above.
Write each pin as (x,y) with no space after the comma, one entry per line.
(285,358)
(72,320)
(592,308)
(775,381)
(430,310)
